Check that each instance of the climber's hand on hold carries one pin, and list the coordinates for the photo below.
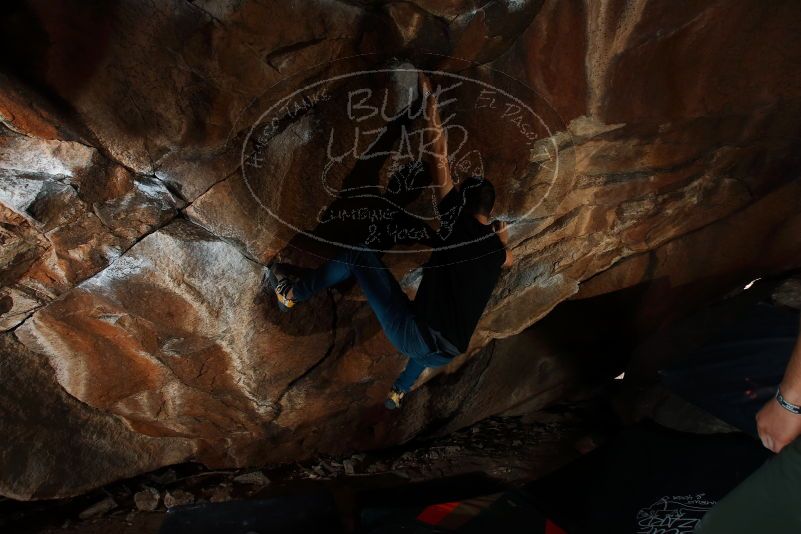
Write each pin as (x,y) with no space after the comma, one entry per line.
(425,83)
(502,229)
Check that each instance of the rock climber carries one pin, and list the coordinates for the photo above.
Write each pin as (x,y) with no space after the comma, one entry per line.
(468,253)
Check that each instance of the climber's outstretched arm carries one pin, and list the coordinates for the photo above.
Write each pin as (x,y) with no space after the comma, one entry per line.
(436,151)
(502,229)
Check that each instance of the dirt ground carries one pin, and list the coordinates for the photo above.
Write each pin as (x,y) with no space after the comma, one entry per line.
(506,450)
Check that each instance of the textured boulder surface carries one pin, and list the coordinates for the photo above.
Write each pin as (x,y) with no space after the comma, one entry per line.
(136,334)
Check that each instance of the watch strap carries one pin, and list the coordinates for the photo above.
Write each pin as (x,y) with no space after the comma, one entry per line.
(789,406)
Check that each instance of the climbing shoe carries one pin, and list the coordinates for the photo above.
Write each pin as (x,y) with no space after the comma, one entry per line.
(280,283)
(393,401)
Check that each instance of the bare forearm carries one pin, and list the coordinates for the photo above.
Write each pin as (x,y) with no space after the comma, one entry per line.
(502,230)
(791,384)
(510,259)
(435,144)
(777,426)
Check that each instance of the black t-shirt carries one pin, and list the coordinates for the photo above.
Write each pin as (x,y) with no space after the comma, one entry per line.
(461,273)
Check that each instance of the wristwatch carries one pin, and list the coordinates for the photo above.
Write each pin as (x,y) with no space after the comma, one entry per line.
(789,406)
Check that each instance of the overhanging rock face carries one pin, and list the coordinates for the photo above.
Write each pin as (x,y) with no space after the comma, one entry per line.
(132,248)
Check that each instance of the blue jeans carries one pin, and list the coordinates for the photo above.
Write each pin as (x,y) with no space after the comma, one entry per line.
(392,307)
